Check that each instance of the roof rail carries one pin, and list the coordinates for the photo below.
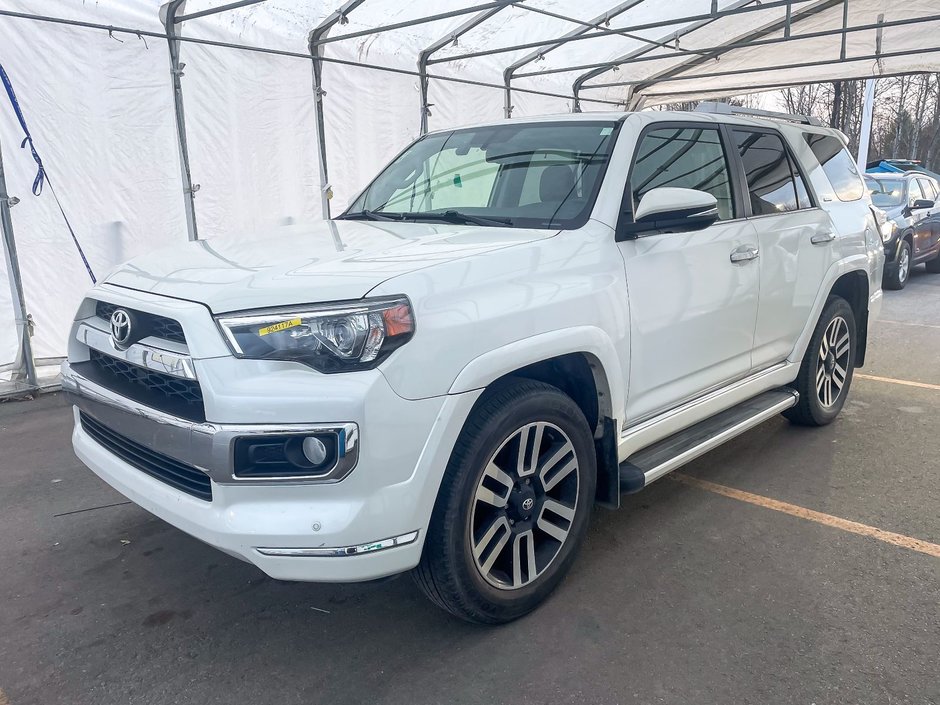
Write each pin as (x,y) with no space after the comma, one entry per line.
(728,109)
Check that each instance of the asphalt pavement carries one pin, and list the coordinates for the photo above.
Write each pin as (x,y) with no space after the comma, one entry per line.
(683,596)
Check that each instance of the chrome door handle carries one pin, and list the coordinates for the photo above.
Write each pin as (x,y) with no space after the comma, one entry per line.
(822,238)
(744,254)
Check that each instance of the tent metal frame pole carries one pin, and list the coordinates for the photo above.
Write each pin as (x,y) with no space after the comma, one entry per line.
(453,79)
(496,4)
(539,53)
(581,80)
(217,10)
(176,73)
(278,52)
(316,54)
(427,53)
(709,52)
(750,45)
(782,67)
(750,39)
(739,9)
(27,365)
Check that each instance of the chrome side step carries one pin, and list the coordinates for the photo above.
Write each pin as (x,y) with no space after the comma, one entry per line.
(651,463)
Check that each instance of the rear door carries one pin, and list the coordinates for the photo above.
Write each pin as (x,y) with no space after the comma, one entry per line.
(797,241)
(692,309)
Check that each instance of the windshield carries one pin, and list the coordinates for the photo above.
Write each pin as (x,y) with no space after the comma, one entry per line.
(543,175)
(886,193)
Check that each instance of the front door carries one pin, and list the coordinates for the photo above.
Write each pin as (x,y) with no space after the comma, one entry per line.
(692,310)
(928,227)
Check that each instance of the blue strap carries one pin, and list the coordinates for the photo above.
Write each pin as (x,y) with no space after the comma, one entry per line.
(41,177)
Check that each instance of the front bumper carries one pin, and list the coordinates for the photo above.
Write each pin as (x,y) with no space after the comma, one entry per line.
(369,525)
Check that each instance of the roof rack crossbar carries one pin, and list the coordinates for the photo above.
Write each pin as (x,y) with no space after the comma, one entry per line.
(727,109)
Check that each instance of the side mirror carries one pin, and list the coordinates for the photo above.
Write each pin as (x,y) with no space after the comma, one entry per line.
(921,203)
(671,210)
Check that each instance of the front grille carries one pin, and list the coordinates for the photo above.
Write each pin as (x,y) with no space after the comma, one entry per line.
(183,477)
(157,326)
(176,396)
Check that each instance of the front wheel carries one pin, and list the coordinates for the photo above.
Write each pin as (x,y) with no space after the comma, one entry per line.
(827,368)
(513,506)
(897,274)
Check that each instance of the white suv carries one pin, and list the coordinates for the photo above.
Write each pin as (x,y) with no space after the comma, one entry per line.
(512,323)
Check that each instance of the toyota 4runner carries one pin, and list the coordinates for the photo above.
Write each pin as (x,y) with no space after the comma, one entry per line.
(511,324)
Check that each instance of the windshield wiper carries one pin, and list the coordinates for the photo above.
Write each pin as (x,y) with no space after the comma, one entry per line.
(369,215)
(452,216)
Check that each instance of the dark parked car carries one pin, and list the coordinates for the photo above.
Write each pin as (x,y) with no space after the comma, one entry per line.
(912,232)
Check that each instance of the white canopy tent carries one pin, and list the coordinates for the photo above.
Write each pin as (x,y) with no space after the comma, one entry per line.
(288,102)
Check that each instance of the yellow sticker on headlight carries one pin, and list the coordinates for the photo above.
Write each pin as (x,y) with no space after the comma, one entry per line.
(277,327)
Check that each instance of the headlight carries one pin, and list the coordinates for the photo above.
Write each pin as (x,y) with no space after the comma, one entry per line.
(336,337)
(888,230)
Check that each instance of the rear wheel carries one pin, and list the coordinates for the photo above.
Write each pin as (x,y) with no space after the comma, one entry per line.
(827,368)
(897,275)
(513,506)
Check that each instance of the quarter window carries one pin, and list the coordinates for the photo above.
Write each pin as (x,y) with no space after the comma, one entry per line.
(837,164)
(683,158)
(773,182)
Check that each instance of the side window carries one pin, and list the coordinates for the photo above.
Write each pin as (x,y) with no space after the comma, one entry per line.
(913,191)
(689,157)
(770,174)
(930,193)
(837,164)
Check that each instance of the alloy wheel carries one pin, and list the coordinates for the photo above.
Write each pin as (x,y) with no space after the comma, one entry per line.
(524,505)
(832,367)
(904,265)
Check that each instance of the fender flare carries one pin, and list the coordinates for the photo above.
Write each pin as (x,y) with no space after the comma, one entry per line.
(490,366)
(856,263)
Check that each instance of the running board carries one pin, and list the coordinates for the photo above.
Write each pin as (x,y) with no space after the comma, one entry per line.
(651,463)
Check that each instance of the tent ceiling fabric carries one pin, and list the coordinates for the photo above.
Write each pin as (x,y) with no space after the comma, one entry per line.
(659,73)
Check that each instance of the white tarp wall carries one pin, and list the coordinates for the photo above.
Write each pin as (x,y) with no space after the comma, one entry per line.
(100,108)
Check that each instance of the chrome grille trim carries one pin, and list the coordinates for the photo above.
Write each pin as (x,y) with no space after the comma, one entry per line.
(151,358)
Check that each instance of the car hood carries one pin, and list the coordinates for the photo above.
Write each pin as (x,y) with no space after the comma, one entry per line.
(327,261)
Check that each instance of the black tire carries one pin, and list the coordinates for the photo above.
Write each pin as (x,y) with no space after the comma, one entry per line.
(933,266)
(450,572)
(896,274)
(812,410)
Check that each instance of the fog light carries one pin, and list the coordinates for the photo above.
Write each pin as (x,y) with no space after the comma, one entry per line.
(314,450)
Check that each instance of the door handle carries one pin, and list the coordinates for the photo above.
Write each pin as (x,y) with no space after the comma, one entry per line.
(744,253)
(822,238)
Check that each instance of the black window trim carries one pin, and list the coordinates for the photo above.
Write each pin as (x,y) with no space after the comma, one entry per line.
(813,197)
(625,216)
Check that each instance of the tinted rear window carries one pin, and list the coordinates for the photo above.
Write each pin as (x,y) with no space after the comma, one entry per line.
(838,166)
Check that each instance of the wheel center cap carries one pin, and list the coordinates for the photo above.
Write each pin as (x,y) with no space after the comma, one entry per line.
(830,363)
(521,503)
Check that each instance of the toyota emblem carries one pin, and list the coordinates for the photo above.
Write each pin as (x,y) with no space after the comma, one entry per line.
(120,328)
(527,504)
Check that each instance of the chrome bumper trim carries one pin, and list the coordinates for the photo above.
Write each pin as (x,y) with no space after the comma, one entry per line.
(206,446)
(168,363)
(342,551)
